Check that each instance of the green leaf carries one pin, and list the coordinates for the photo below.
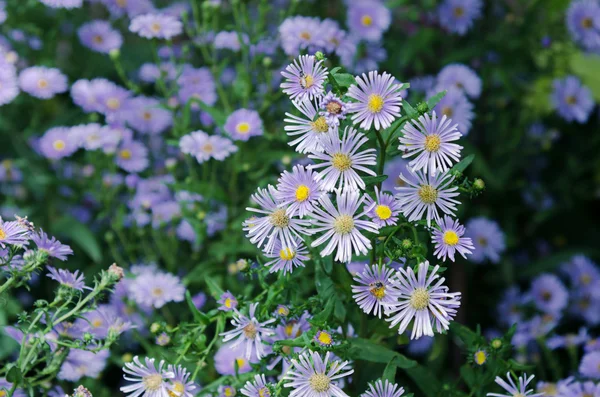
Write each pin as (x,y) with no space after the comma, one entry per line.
(335,70)
(78,232)
(464,163)
(586,67)
(426,381)
(372,180)
(340,310)
(14,374)
(198,315)
(326,313)
(434,100)
(409,110)
(213,287)
(344,79)
(367,350)
(389,372)
(464,333)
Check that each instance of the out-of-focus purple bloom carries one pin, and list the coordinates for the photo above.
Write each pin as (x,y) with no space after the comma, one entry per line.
(300,33)
(243,124)
(590,365)
(68,4)
(156,289)
(100,36)
(132,156)
(548,293)
(368,19)
(229,40)
(51,245)
(487,238)
(161,26)
(456,106)
(81,363)
(583,22)
(457,16)
(572,100)
(147,116)
(230,356)
(57,143)
(42,82)
(460,76)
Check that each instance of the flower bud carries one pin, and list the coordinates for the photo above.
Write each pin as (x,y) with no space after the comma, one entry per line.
(155,327)
(479,184)
(114,53)
(406,244)
(422,108)
(116,272)
(267,62)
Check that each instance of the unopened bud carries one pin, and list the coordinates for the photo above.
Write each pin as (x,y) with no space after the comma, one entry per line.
(406,244)
(155,327)
(81,392)
(267,62)
(114,53)
(479,184)
(422,108)
(116,272)
(319,55)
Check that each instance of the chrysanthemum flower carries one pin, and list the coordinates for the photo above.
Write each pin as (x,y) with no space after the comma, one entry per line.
(448,239)
(549,293)
(258,388)
(426,196)
(51,245)
(424,299)
(383,389)
(457,107)
(99,36)
(312,376)
(378,100)
(286,259)
(180,385)
(249,332)
(583,22)
(342,226)
(305,78)
(65,277)
(457,16)
(243,124)
(459,76)
(513,389)
(384,209)
(342,160)
(159,26)
(275,224)
(310,129)
(572,100)
(299,191)
(204,147)
(148,381)
(333,109)
(231,356)
(368,19)
(226,391)
(57,143)
(227,301)
(146,115)
(299,33)
(13,233)
(42,82)
(375,291)
(156,289)
(488,239)
(132,156)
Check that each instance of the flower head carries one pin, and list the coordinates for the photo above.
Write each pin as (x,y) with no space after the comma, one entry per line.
(309,129)
(457,107)
(549,294)
(148,381)
(13,233)
(459,76)
(68,4)
(9,84)
(311,375)
(243,124)
(583,22)
(204,147)
(368,19)
(180,385)
(383,389)
(298,33)
(146,115)
(374,291)
(305,78)
(51,245)
(232,356)
(100,36)
(488,239)
(457,16)
(448,239)
(299,191)
(333,109)
(287,258)
(132,156)
(513,389)
(249,332)
(384,209)
(65,277)
(227,301)
(155,289)
(258,388)
(42,82)
(572,100)
(160,26)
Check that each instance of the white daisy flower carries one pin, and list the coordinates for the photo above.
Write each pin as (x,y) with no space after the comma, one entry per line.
(312,376)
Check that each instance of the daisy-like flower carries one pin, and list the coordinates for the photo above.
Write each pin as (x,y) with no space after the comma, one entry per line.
(68,4)
(459,76)
(384,209)
(368,19)
(313,376)
(342,160)
(299,191)
(383,389)
(424,298)
(249,332)
(148,381)
(230,359)
(583,21)
(448,240)
(488,239)
(275,224)
(146,115)
(9,87)
(159,26)
(204,147)
(298,33)
(305,78)
(258,388)
(590,365)
(323,338)
(457,16)
(13,233)
(310,129)
(513,389)
(100,36)
(243,124)
(179,385)
(57,143)
(549,293)
(66,278)
(577,389)
(375,291)
(572,100)
(333,109)
(226,391)
(425,196)
(457,107)
(42,82)
(51,245)
(480,357)
(155,289)
(378,100)
(430,139)
(341,226)
(287,258)
(132,156)
(228,302)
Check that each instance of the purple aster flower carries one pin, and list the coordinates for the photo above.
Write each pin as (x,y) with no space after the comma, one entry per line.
(311,375)
(180,385)
(82,363)
(226,391)
(513,389)
(85,93)
(381,389)
(341,160)
(579,389)
(592,345)
(590,365)
(13,233)
(51,245)
(374,291)
(229,41)
(243,124)
(449,239)
(287,258)
(368,20)
(10,172)
(459,76)
(457,107)
(300,33)
(561,388)
(585,304)
(378,100)
(249,332)
(549,294)
(146,378)
(132,156)
(156,289)
(384,209)
(299,191)
(572,100)
(426,196)
(333,109)
(424,298)
(42,82)
(197,84)
(568,340)
(332,36)
(488,239)
(65,277)
(310,128)
(204,147)
(583,22)
(9,87)
(341,226)
(118,8)
(57,143)
(431,140)
(147,116)
(159,26)
(99,36)
(111,99)
(457,16)
(582,271)
(258,388)
(227,301)
(100,322)
(68,4)
(305,78)
(164,212)
(7,386)
(232,355)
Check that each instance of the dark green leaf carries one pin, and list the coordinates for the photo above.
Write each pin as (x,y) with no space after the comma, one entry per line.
(464,163)
(426,381)
(344,79)
(434,100)
(372,180)
(366,350)
(198,315)
(409,110)
(214,288)
(14,375)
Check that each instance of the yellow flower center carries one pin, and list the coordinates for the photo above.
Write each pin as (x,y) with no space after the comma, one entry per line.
(98,39)
(125,154)
(480,358)
(343,224)
(428,194)
(367,20)
(240,362)
(59,144)
(97,323)
(319,125)
(287,254)
(419,299)
(229,392)
(178,389)
(113,103)
(324,338)
(279,218)
(450,238)
(2,393)
(307,81)
(242,128)
(571,100)
(147,116)
(459,11)
(375,104)
(155,27)
(152,382)
(383,212)
(305,35)
(42,83)
(377,290)
(2,234)
(228,303)
(585,279)
(302,193)
(333,107)
(250,331)
(432,143)
(341,161)
(157,291)
(447,111)
(207,148)
(319,382)
(587,23)
(264,392)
